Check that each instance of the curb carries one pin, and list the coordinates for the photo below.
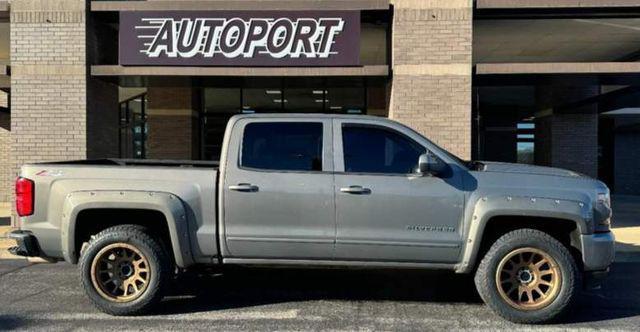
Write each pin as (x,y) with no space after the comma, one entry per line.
(6,243)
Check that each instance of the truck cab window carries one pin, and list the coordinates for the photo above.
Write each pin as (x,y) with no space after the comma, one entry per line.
(370,149)
(286,146)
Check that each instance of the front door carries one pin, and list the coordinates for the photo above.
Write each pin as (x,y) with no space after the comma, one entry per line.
(384,210)
(278,190)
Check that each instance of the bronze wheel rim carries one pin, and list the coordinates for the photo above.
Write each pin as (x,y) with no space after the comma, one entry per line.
(120,272)
(528,279)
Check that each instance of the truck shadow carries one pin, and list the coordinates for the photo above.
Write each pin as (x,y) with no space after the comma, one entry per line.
(243,288)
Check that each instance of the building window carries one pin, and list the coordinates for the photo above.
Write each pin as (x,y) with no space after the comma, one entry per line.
(526,142)
(219,105)
(133,128)
(346,95)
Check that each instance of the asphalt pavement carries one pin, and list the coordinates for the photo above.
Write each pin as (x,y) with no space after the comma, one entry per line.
(49,297)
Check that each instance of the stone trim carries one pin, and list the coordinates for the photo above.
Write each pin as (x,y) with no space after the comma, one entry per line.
(452,69)
(240,5)
(558,68)
(47,70)
(47,5)
(430,4)
(433,14)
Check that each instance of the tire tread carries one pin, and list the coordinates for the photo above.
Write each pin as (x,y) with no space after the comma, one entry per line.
(152,295)
(549,314)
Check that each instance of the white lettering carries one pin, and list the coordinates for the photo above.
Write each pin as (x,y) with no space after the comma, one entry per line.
(235,37)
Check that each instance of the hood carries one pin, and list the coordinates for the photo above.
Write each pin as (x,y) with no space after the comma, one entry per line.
(527,169)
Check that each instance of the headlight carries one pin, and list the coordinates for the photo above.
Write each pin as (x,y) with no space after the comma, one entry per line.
(603,222)
(604,199)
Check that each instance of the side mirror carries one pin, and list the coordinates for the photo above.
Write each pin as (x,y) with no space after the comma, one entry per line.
(427,164)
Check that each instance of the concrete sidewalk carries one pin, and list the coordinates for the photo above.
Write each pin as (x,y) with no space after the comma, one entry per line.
(626,227)
(5,218)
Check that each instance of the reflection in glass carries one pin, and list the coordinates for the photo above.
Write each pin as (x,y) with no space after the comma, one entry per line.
(263,95)
(305,95)
(133,128)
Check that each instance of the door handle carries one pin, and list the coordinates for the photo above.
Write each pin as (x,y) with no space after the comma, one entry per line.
(244,187)
(356,190)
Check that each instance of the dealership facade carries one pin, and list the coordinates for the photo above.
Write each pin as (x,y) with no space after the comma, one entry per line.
(543,82)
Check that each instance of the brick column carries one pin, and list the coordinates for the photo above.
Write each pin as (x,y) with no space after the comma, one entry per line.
(48,80)
(575,142)
(431,64)
(171,122)
(566,135)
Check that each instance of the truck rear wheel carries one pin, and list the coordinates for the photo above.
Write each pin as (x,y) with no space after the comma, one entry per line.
(124,270)
(527,276)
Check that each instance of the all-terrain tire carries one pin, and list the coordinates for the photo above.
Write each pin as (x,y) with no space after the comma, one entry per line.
(487,284)
(157,263)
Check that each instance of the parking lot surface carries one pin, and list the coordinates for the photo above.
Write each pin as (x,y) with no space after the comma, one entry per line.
(49,296)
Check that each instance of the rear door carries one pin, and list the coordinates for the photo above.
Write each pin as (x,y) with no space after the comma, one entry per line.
(278,190)
(385,211)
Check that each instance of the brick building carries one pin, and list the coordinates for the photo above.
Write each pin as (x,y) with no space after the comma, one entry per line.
(533,81)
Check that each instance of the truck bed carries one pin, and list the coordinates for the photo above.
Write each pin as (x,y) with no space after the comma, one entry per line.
(138,162)
(62,187)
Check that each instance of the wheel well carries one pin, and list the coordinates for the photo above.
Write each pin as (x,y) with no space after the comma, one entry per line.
(563,230)
(92,221)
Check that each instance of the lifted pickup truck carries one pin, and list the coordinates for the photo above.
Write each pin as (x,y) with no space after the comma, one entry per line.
(320,190)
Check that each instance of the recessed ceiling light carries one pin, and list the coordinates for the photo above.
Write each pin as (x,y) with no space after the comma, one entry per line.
(336,107)
(322,101)
(279,101)
(319,92)
(273,92)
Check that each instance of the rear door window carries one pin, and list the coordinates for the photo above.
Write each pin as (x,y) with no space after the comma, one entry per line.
(284,146)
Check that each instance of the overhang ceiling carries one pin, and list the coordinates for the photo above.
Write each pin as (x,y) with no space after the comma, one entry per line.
(555,40)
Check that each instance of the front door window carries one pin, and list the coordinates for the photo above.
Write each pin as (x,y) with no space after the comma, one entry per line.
(377,150)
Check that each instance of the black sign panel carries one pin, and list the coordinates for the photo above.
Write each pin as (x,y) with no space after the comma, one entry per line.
(240,38)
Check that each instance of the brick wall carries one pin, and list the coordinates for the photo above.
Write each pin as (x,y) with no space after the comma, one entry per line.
(575,142)
(170,123)
(567,133)
(431,64)
(48,80)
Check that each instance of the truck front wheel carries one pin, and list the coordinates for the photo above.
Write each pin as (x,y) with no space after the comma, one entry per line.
(124,270)
(527,276)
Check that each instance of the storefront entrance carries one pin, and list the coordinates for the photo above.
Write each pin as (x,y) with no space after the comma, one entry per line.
(189,122)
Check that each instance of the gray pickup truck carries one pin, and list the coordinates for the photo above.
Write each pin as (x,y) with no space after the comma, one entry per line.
(320,190)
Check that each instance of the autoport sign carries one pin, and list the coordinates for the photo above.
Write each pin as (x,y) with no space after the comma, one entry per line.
(244,38)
